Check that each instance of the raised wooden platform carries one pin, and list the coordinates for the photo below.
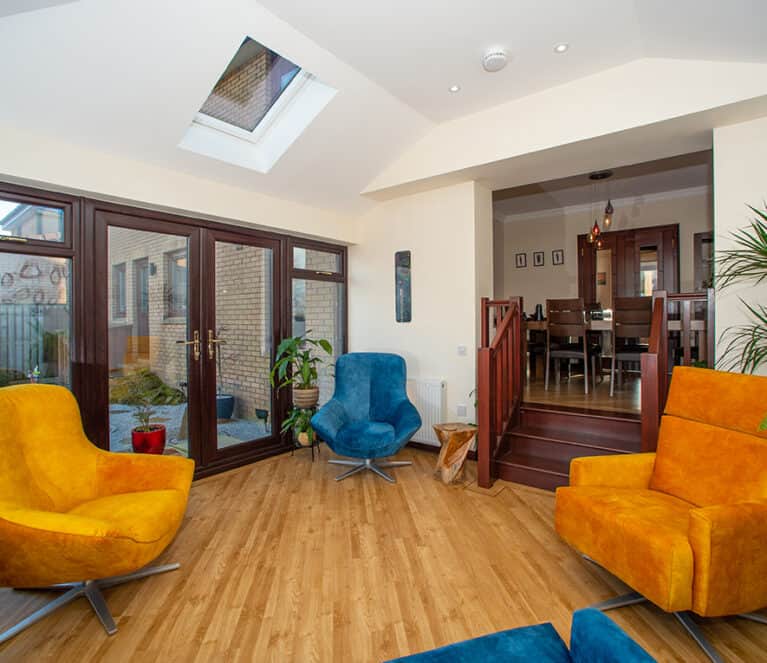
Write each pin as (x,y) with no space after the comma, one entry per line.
(537,452)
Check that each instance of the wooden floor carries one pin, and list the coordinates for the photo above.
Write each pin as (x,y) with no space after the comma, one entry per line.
(281,563)
(570,393)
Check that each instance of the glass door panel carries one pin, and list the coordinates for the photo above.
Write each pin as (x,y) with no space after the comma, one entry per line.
(35,319)
(148,332)
(239,343)
(318,311)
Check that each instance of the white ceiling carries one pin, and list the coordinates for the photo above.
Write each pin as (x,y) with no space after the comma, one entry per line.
(126,77)
(417,50)
(658,177)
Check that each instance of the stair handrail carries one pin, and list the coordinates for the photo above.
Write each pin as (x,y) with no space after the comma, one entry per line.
(500,381)
(654,366)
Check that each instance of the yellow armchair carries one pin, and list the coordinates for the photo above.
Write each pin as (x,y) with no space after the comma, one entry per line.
(686,527)
(72,515)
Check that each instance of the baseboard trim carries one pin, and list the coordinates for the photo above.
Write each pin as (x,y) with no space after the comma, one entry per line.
(422,446)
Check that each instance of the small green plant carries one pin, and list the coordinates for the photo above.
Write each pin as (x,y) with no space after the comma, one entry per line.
(297,361)
(143,413)
(299,420)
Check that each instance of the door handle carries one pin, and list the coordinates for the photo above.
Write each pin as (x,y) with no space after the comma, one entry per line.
(212,340)
(195,343)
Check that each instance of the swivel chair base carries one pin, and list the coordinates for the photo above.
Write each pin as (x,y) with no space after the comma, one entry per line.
(369,464)
(90,589)
(685,619)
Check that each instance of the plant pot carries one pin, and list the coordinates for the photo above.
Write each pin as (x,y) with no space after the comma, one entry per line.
(306,398)
(224,406)
(304,440)
(149,442)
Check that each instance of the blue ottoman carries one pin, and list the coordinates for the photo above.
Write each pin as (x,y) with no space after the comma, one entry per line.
(594,638)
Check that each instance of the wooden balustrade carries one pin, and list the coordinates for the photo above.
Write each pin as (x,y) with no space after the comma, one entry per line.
(654,364)
(500,380)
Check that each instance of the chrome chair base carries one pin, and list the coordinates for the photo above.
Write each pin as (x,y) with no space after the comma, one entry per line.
(686,619)
(369,464)
(91,590)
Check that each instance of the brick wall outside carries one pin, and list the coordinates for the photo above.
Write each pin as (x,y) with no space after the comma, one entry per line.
(243,96)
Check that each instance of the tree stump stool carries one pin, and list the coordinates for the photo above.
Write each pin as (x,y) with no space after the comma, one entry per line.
(455,440)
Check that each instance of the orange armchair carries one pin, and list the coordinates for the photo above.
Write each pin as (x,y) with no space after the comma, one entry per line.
(72,515)
(686,527)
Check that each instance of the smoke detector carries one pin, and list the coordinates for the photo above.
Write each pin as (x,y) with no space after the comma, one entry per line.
(494,59)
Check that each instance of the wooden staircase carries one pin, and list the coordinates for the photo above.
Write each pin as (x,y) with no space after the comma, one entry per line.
(537,450)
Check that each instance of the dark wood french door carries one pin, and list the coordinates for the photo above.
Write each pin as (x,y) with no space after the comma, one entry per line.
(196,346)
(628,263)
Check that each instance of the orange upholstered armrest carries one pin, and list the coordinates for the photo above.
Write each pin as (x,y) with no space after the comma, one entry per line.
(729,543)
(618,471)
(129,473)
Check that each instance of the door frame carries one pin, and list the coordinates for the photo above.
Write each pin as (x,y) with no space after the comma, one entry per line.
(626,269)
(213,458)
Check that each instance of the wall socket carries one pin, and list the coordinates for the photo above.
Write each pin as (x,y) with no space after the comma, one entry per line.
(461,350)
(460,410)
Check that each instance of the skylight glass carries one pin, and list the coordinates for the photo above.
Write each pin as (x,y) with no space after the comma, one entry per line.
(250,85)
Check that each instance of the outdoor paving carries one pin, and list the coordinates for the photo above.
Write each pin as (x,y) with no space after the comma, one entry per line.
(230,432)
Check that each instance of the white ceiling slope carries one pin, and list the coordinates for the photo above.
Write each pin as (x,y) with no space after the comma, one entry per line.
(417,50)
(126,77)
(8,7)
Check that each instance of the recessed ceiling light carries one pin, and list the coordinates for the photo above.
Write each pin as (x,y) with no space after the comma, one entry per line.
(561,48)
(455,88)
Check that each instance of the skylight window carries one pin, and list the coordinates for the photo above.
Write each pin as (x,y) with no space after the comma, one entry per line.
(248,88)
(260,105)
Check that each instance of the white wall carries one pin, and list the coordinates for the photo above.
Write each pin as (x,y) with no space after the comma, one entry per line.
(560,229)
(46,162)
(440,228)
(739,179)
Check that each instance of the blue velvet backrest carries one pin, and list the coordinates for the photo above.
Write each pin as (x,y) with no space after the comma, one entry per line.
(370,385)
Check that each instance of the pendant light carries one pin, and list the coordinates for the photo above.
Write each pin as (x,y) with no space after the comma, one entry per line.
(607,219)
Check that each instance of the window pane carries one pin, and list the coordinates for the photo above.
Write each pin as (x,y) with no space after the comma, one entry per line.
(35,319)
(249,86)
(146,361)
(118,291)
(318,309)
(243,355)
(31,221)
(316,261)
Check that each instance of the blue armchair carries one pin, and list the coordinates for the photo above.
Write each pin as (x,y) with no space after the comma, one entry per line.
(369,416)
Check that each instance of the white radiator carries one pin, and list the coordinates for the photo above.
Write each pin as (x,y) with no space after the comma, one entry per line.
(430,399)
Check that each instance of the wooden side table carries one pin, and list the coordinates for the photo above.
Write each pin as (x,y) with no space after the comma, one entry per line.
(455,440)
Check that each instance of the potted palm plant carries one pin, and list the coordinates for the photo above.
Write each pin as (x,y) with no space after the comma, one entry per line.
(146,438)
(296,365)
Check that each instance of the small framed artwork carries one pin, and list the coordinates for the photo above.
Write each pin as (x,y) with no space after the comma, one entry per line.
(601,278)
(520,260)
(558,257)
(538,260)
(402,280)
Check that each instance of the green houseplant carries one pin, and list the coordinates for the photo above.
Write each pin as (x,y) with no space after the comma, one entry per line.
(296,365)
(146,437)
(745,345)
(299,420)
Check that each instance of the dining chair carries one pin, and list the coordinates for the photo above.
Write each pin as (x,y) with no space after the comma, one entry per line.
(567,320)
(632,317)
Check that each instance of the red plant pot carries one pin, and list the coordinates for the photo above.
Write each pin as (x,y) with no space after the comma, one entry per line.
(149,442)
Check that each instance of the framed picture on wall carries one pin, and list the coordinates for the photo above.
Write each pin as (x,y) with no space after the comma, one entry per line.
(520,260)
(538,260)
(558,257)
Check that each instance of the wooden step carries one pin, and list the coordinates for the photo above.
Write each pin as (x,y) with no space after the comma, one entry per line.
(565,444)
(610,425)
(532,470)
